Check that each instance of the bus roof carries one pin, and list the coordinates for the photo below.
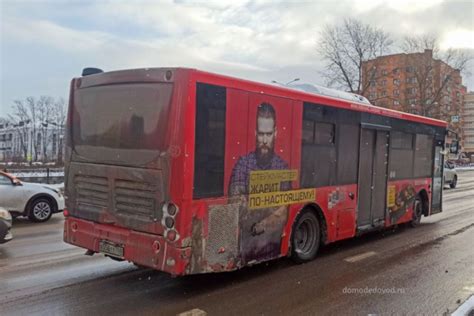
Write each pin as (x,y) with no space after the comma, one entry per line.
(325,96)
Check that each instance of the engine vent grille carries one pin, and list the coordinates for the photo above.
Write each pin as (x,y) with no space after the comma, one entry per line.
(136,198)
(92,193)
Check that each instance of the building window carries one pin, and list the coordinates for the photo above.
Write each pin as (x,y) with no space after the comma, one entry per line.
(396,82)
(396,92)
(411,90)
(396,102)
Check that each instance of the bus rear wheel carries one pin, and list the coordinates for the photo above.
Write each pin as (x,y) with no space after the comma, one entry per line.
(306,237)
(417,212)
(453,183)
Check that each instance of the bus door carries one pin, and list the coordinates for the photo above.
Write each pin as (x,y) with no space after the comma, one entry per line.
(372,182)
(437,191)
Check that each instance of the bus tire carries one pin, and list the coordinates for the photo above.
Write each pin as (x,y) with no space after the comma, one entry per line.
(417,212)
(305,237)
(453,183)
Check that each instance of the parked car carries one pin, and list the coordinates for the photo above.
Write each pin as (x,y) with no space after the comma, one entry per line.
(450,175)
(35,200)
(5,226)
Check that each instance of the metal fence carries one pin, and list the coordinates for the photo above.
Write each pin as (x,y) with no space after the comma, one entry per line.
(39,175)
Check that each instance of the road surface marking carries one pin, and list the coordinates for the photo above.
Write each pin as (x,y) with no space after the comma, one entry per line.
(360,257)
(466,308)
(193,312)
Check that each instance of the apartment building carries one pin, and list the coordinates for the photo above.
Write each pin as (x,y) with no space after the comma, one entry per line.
(468,124)
(416,83)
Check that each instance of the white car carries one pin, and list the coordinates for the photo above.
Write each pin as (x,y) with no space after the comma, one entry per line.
(450,174)
(35,200)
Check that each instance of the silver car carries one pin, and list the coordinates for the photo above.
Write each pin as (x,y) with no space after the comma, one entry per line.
(450,175)
(35,200)
(5,226)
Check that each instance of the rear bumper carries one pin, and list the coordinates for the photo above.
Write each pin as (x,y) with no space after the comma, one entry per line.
(61,204)
(141,248)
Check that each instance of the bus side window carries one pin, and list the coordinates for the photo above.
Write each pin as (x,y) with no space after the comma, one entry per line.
(423,155)
(401,155)
(210,141)
(318,154)
(347,154)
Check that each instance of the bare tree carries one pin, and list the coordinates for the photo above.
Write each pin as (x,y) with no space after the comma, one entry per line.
(21,119)
(45,107)
(345,48)
(59,119)
(60,112)
(433,70)
(36,121)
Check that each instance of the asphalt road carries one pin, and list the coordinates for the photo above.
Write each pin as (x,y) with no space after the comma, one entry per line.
(426,270)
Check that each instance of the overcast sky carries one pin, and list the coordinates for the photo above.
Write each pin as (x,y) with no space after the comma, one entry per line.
(46,43)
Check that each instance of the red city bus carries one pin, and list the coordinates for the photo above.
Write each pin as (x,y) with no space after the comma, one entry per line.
(188,172)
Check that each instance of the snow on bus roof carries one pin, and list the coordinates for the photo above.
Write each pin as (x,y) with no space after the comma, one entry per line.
(311,88)
(360,103)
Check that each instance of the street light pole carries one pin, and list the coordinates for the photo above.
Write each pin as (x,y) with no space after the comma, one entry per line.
(285,84)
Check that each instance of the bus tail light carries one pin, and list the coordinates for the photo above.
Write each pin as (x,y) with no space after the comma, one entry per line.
(66,213)
(170,209)
(171,235)
(169,222)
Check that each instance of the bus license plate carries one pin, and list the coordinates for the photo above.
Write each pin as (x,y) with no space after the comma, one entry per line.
(111,249)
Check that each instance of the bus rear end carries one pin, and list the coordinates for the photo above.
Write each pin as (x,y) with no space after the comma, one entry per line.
(123,130)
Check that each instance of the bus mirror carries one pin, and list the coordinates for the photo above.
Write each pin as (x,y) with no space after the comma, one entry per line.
(454,147)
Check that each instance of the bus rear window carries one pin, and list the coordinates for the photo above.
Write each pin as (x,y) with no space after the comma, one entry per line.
(121,117)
